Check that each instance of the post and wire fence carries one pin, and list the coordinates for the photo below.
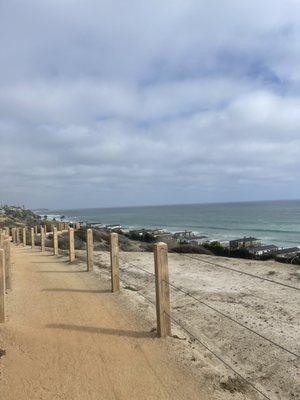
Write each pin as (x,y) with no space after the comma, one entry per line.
(119,264)
(165,318)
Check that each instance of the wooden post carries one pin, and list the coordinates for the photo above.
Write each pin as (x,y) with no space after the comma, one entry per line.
(17,236)
(13,235)
(55,241)
(24,236)
(162,289)
(71,245)
(42,239)
(89,249)
(6,248)
(32,231)
(114,262)
(2,286)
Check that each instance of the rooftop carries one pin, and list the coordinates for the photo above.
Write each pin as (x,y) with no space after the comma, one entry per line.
(288,250)
(263,248)
(244,239)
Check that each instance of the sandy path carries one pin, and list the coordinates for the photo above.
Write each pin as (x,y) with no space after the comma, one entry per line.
(67,337)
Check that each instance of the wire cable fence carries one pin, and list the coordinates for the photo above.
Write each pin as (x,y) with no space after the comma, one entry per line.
(233,320)
(242,272)
(216,310)
(134,274)
(179,322)
(137,267)
(139,278)
(283,348)
(221,359)
(193,336)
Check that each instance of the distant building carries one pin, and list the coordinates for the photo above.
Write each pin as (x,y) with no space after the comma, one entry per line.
(141,232)
(113,227)
(197,240)
(96,225)
(158,231)
(183,234)
(260,250)
(288,252)
(166,237)
(243,243)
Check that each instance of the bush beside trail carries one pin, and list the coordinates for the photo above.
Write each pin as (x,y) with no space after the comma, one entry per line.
(102,238)
(189,249)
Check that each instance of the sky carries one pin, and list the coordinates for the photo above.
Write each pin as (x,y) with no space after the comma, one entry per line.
(118,103)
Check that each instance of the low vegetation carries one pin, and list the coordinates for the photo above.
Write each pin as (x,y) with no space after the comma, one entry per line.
(13,216)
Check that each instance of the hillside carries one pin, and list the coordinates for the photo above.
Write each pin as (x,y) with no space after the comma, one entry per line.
(17,216)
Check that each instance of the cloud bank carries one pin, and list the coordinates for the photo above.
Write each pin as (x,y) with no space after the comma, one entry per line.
(108,103)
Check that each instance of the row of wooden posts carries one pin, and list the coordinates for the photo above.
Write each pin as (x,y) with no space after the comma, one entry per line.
(19,236)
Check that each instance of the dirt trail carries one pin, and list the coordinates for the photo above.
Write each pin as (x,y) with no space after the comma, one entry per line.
(67,337)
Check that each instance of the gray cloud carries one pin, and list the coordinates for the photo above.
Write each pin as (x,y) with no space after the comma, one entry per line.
(109,103)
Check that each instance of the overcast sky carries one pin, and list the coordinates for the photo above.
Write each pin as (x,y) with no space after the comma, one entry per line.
(111,103)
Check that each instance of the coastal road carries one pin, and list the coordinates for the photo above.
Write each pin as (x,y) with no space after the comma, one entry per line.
(68,337)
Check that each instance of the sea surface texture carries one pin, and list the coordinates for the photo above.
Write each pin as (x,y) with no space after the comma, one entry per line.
(276,222)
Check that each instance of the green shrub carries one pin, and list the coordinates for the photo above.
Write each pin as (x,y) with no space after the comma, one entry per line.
(190,249)
(144,237)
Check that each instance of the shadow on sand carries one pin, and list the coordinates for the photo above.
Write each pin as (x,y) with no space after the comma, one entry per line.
(77,290)
(101,330)
(59,272)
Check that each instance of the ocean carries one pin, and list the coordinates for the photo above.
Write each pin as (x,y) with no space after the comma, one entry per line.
(273,222)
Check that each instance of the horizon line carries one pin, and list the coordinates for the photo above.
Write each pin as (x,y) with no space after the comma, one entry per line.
(171,205)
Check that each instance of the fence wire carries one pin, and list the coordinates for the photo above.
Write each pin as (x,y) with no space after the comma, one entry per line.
(218,357)
(283,348)
(196,338)
(241,272)
(208,349)
(137,267)
(232,319)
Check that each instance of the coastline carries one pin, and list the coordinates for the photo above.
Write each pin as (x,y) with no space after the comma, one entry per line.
(276,222)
